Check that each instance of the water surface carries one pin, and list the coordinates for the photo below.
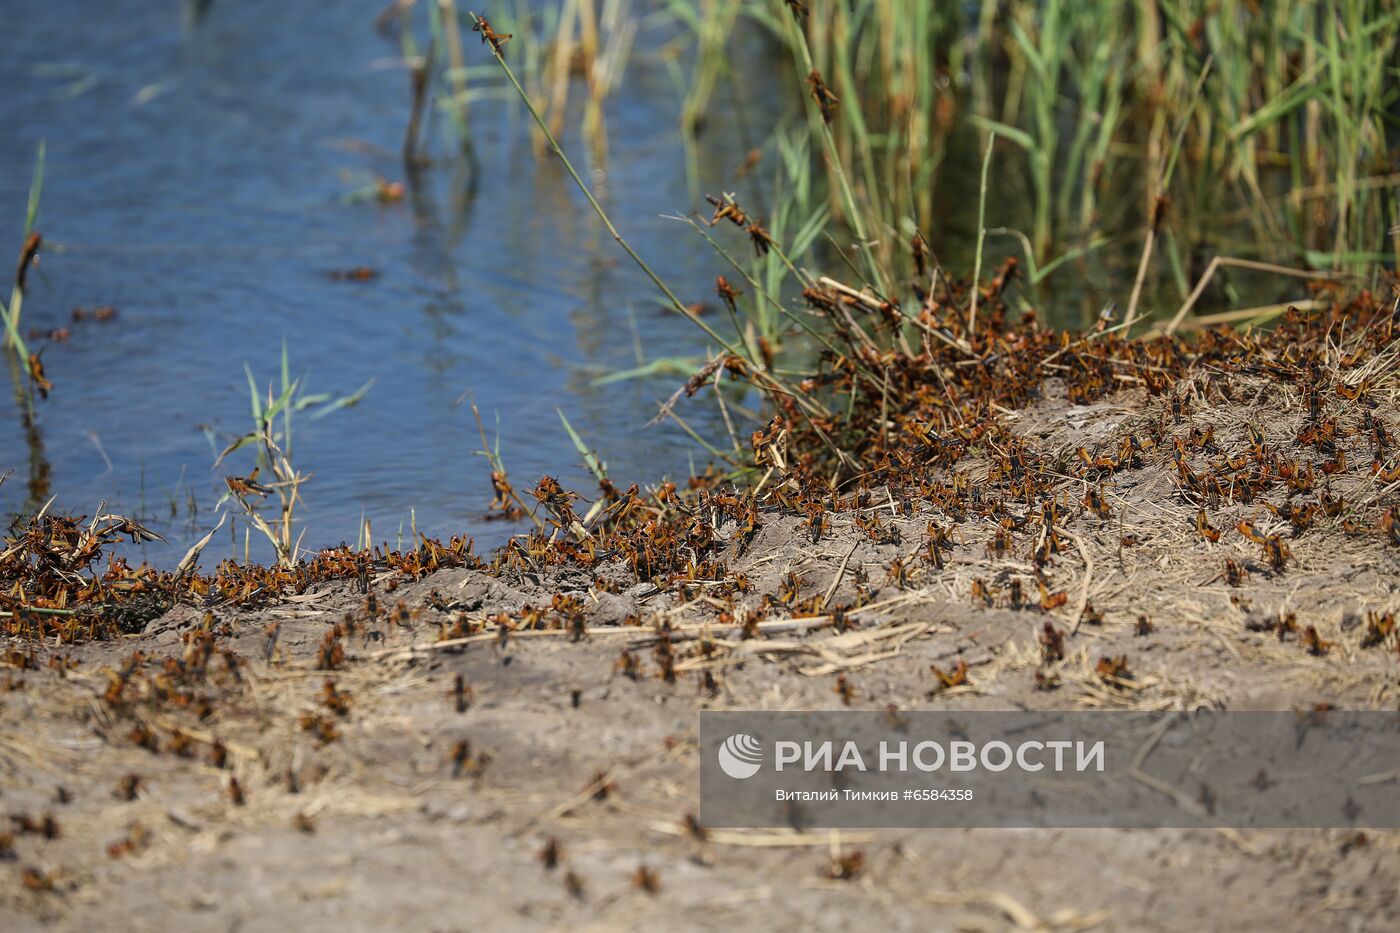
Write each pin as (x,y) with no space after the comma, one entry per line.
(200,180)
(196,181)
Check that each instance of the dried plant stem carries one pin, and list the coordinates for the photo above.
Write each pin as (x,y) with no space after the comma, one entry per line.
(981,234)
(1219,261)
(834,163)
(452,38)
(656,280)
(1163,182)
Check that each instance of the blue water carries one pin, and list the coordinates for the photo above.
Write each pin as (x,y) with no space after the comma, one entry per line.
(196,181)
(202,178)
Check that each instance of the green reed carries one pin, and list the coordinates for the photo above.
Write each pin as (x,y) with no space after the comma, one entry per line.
(1281,156)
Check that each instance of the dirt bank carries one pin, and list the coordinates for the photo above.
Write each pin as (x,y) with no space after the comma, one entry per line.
(512,745)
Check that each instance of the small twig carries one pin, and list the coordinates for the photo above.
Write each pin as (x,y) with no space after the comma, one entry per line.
(1157,784)
(840,572)
(1261,313)
(1088,578)
(1219,261)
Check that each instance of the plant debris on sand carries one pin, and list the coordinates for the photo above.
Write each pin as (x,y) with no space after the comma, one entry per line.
(993,517)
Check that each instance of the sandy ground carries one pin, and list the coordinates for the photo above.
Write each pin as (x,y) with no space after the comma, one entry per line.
(560,792)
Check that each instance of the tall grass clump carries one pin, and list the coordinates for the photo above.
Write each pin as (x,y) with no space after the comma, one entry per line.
(1283,153)
(560,45)
(1136,143)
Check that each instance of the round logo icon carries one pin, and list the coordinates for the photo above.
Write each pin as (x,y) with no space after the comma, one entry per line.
(740,756)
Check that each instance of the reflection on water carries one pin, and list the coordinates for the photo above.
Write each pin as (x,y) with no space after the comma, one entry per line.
(36,488)
(196,182)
